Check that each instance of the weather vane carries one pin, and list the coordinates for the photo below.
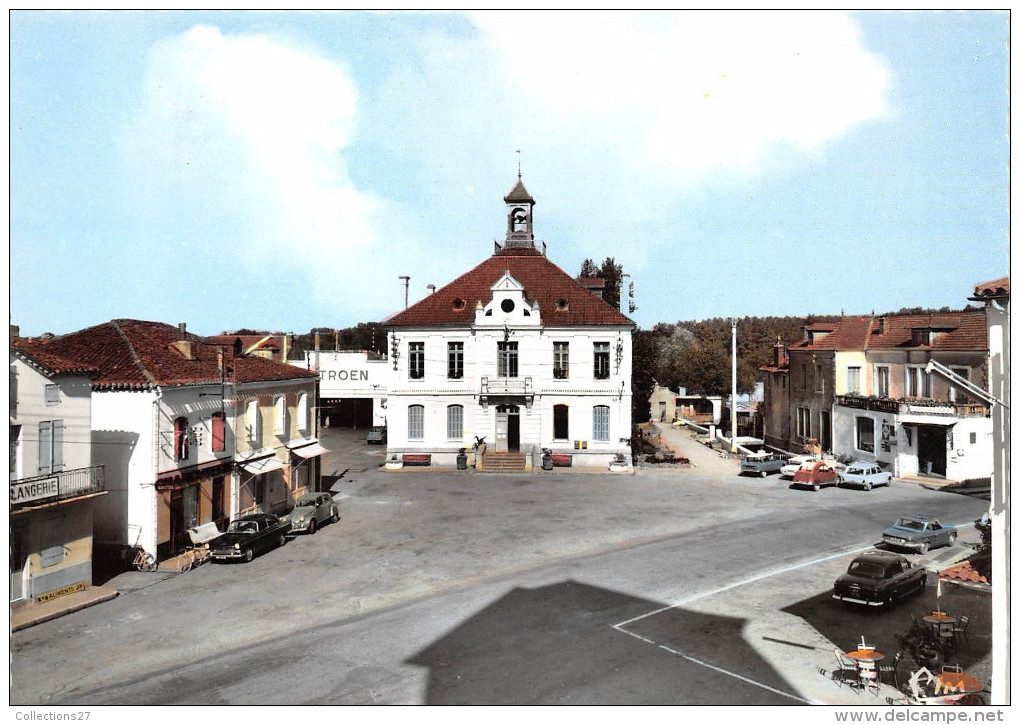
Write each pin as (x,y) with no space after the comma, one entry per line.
(518,164)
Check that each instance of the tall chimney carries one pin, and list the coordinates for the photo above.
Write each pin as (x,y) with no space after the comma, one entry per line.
(183,328)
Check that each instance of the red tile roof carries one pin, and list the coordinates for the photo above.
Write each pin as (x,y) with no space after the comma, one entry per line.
(53,364)
(543,281)
(963,571)
(135,354)
(963,331)
(995,288)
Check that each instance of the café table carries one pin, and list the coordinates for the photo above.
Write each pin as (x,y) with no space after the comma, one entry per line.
(942,624)
(867,660)
(957,683)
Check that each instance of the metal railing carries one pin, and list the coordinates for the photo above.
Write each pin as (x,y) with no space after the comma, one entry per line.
(57,486)
(507,386)
(916,406)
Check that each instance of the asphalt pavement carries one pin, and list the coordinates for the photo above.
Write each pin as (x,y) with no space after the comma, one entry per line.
(668,586)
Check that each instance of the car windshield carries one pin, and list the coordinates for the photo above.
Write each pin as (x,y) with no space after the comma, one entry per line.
(910,524)
(237,527)
(866,569)
(305,501)
(855,471)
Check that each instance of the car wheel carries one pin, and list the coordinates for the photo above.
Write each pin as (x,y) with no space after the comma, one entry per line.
(311,527)
(924,548)
(815,487)
(867,485)
(283,539)
(952,538)
(248,555)
(762,474)
(335,517)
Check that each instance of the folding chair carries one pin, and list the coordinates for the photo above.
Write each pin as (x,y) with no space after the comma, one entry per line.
(960,629)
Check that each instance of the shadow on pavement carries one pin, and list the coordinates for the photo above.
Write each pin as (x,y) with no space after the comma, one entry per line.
(555,645)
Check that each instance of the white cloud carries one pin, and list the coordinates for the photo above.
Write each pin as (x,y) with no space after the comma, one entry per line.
(252,131)
(693,93)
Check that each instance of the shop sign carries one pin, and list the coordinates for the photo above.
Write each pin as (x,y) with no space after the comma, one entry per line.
(34,490)
(63,592)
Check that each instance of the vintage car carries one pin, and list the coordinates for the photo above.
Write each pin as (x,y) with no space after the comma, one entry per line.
(919,532)
(310,511)
(249,535)
(795,463)
(815,475)
(376,434)
(762,463)
(878,578)
(864,474)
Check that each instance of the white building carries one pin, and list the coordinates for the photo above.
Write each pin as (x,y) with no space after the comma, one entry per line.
(353,385)
(54,484)
(171,427)
(515,353)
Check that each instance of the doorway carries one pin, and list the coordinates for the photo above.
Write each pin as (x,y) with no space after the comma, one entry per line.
(183,516)
(508,428)
(931,449)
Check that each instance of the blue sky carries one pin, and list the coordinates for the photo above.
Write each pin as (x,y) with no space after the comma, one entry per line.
(281,170)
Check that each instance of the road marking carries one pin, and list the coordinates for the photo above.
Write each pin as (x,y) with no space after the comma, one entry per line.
(734,674)
(749,580)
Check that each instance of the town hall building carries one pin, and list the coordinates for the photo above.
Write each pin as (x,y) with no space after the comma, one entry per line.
(515,355)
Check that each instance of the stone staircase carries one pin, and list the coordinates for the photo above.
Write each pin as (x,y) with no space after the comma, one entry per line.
(503,462)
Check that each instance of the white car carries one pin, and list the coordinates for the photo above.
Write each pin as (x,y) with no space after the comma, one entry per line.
(794,463)
(864,474)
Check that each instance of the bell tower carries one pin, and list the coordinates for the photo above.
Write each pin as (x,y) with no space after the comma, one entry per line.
(520,232)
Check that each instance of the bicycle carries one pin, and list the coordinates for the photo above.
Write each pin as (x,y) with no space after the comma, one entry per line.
(144,561)
(194,557)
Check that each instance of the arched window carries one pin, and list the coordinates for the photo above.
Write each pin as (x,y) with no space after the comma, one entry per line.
(415,422)
(219,433)
(180,438)
(561,422)
(455,422)
(600,423)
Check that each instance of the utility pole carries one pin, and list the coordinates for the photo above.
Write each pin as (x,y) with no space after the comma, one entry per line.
(407,284)
(733,391)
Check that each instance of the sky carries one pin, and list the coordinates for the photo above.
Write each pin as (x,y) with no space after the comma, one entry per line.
(281,171)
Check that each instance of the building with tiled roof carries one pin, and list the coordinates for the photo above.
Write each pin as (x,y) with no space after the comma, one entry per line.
(515,352)
(862,387)
(54,483)
(189,432)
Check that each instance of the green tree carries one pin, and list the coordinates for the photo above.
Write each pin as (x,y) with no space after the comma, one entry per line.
(611,274)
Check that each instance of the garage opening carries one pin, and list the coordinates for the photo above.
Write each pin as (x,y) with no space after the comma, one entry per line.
(346,412)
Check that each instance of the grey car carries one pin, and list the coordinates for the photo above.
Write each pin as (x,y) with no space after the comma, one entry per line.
(918,532)
(863,474)
(311,511)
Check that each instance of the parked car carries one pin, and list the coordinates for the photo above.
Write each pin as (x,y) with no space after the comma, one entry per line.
(864,474)
(919,532)
(795,463)
(878,578)
(376,434)
(249,535)
(310,511)
(815,475)
(762,463)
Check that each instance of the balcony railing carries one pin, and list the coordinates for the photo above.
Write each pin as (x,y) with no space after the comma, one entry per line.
(57,486)
(916,406)
(507,386)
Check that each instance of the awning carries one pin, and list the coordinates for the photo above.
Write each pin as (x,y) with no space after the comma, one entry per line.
(263,465)
(310,451)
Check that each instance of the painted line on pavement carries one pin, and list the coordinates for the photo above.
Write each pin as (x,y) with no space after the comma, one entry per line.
(734,674)
(750,580)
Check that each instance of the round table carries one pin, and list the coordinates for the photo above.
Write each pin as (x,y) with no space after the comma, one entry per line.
(959,682)
(939,618)
(865,655)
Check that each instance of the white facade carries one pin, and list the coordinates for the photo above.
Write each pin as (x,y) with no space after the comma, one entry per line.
(516,354)
(358,374)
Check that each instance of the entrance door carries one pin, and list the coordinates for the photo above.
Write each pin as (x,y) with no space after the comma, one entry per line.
(183,515)
(931,449)
(825,434)
(508,428)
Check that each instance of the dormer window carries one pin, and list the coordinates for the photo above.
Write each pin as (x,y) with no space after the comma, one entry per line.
(921,336)
(507,306)
(459,304)
(561,305)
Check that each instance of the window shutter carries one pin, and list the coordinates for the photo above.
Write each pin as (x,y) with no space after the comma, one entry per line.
(58,445)
(45,446)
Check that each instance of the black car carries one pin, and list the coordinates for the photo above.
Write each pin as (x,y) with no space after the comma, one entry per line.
(878,578)
(249,535)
